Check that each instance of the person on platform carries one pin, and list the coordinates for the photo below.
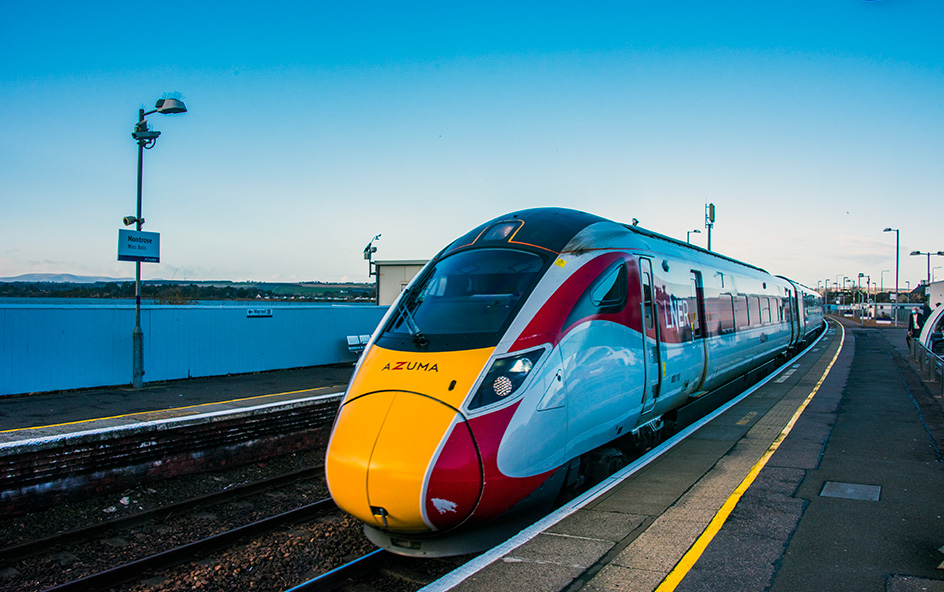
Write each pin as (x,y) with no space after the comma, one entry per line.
(914,325)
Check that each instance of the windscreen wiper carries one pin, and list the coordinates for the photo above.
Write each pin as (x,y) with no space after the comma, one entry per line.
(414,329)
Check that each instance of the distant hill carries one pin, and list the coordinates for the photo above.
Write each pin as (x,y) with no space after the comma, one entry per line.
(64,285)
(63,278)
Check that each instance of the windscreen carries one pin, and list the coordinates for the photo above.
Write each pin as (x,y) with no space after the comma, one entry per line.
(472,295)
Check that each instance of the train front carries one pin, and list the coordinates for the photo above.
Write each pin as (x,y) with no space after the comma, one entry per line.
(405,457)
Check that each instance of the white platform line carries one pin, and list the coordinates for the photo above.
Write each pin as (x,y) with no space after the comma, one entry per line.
(463,572)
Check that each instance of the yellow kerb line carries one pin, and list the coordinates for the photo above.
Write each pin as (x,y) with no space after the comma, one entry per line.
(691,557)
(56,425)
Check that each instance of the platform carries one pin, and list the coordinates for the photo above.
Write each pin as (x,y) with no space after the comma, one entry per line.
(45,415)
(826,477)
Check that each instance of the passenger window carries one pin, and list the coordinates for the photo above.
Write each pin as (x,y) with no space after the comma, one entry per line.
(753,310)
(740,313)
(726,312)
(606,295)
(610,289)
(647,298)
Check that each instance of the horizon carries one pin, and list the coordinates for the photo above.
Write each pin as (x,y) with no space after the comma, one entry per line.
(811,126)
(83,279)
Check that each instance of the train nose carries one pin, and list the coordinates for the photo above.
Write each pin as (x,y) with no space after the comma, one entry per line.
(381,457)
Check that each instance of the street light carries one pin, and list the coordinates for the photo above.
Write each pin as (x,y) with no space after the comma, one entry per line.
(897,254)
(369,251)
(941,253)
(709,220)
(859,287)
(688,235)
(146,138)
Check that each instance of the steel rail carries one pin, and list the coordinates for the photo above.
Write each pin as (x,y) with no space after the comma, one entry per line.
(336,577)
(78,535)
(124,573)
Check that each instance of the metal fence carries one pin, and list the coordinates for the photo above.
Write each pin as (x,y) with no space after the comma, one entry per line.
(59,347)
(929,363)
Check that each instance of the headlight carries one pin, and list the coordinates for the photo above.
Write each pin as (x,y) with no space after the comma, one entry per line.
(504,377)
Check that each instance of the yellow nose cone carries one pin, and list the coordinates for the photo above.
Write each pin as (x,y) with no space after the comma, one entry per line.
(381,478)
(398,411)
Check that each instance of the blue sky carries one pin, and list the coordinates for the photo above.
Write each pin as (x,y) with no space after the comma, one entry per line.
(313,126)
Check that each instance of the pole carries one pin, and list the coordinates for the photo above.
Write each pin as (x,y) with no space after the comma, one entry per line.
(897,255)
(137,337)
(928,284)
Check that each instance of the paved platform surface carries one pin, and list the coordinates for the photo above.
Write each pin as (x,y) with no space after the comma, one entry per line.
(50,414)
(851,498)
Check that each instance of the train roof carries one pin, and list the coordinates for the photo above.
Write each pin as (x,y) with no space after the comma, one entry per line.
(551,229)
(689,246)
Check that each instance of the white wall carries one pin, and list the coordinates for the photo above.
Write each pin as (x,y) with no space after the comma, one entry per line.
(936,293)
(393,277)
(55,347)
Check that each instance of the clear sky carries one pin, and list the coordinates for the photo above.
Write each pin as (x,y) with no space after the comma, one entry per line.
(313,126)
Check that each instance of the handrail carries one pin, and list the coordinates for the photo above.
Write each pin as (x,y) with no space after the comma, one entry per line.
(929,360)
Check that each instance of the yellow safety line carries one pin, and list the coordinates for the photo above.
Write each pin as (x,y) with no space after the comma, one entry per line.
(56,425)
(694,553)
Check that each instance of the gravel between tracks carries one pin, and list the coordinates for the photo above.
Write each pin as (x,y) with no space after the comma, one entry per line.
(275,562)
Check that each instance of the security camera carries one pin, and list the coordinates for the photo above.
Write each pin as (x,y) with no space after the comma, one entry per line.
(129,220)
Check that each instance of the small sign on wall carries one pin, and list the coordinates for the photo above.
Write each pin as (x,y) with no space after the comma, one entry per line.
(137,245)
(258,313)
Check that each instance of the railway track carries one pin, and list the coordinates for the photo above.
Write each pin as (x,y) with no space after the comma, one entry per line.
(114,576)
(79,535)
(104,555)
(380,570)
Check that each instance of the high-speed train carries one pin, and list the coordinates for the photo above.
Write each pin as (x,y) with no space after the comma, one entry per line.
(523,347)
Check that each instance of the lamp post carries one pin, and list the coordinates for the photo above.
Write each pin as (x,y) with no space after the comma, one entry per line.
(688,235)
(145,138)
(859,286)
(709,220)
(369,251)
(897,254)
(826,294)
(844,280)
(941,253)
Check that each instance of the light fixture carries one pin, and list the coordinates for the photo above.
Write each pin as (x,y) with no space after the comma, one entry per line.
(170,106)
(145,138)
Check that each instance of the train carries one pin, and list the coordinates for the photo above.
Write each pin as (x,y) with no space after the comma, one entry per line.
(525,348)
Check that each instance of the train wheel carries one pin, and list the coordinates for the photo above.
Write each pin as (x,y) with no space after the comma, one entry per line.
(603,462)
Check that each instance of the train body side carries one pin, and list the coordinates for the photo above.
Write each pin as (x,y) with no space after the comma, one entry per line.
(711,320)
(597,330)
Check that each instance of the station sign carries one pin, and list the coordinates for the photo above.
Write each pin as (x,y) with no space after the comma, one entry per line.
(137,245)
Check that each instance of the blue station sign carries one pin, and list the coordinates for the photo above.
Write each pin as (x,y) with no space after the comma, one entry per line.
(137,245)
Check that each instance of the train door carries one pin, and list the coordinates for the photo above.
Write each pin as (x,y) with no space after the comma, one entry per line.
(699,326)
(651,345)
(790,315)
